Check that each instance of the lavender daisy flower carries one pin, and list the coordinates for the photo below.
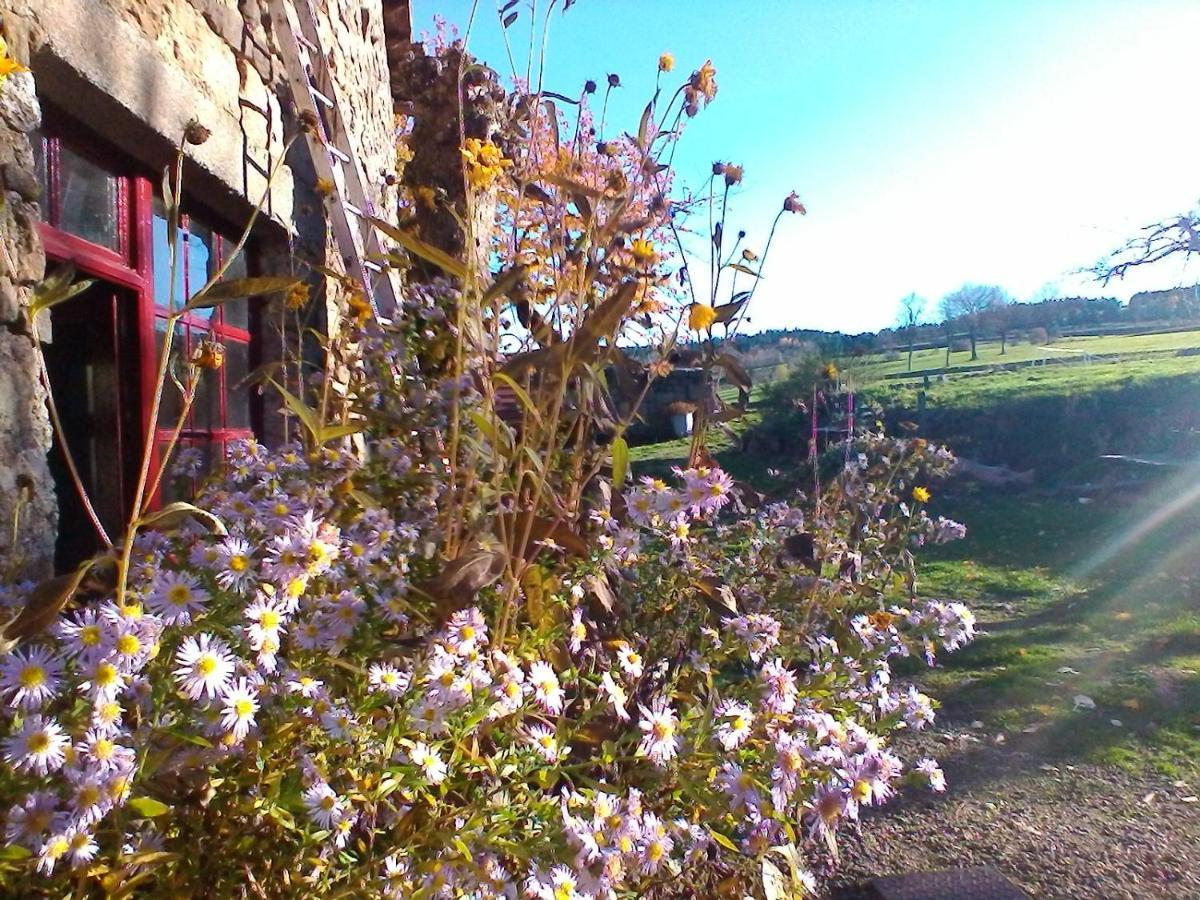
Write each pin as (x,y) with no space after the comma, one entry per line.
(660,740)
(205,665)
(430,763)
(933,772)
(175,597)
(29,678)
(734,727)
(239,708)
(39,747)
(387,679)
(547,690)
(324,806)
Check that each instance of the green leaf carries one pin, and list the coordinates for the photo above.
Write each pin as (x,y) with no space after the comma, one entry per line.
(305,413)
(333,432)
(224,291)
(723,840)
(14,852)
(57,288)
(620,462)
(521,394)
(644,125)
(775,886)
(175,513)
(148,807)
(746,270)
(418,247)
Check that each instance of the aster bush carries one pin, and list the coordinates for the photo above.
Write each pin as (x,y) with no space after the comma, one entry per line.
(429,648)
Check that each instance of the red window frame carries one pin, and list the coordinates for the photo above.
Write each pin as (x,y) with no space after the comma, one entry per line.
(131,266)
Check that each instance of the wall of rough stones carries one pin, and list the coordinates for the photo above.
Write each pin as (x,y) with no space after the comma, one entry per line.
(135,72)
(28,508)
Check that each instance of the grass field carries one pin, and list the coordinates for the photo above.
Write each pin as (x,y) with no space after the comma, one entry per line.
(872,367)
(1098,600)
(970,390)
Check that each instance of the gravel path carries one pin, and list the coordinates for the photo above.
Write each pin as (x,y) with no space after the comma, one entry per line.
(1057,830)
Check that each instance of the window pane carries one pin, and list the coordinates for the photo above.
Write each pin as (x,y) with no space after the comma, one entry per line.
(206,408)
(39,167)
(88,206)
(236,312)
(163,296)
(237,401)
(172,402)
(201,261)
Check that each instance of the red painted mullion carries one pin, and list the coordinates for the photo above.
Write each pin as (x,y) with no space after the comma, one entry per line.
(87,257)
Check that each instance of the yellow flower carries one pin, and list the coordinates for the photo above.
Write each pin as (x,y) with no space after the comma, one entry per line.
(485,162)
(704,80)
(297,296)
(642,250)
(921,495)
(209,355)
(666,62)
(701,316)
(8,65)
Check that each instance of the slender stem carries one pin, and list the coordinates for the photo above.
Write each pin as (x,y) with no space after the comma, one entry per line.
(61,432)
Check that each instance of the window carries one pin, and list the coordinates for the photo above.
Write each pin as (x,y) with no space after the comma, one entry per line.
(221,411)
(101,215)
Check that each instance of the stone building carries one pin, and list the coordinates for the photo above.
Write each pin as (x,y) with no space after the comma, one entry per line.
(85,135)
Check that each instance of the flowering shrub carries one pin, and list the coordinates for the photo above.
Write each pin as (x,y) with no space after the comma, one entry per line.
(470,657)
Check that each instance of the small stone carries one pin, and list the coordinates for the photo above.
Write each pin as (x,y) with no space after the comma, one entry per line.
(19,103)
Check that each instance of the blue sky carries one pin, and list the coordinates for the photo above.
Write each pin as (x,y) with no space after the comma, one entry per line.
(934,143)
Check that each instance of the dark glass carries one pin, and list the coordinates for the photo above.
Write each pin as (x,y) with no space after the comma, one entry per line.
(236,312)
(85,365)
(206,410)
(88,200)
(237,400)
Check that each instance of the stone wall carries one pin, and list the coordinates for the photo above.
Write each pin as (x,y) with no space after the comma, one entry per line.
(28,508)
(135,72)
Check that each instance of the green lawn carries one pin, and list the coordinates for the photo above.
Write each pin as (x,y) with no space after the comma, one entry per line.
(1097,600)
(871,367)
(971,390)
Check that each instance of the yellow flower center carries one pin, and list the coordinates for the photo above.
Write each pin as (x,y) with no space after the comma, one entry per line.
(90,635)
(128,644)
(56,847)
(103,749)
(238,563)
(39,742)
(179,595)
(468,632)
(243,707)
(206,665)
(32,676)
(106,674)
(269,618)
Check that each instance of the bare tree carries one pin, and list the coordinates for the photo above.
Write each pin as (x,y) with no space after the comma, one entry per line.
(912,309)
(968,305)
(1180,234)
(999,316)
